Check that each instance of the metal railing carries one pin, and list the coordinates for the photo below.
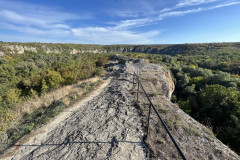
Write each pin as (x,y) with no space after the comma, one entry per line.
(139,85)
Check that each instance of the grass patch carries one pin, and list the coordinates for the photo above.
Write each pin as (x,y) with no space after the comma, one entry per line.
(191,130)
(175,122)
(152,94)
(162,109)
(209,132)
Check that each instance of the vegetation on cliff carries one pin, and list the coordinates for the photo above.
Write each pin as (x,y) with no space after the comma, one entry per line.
(207,87)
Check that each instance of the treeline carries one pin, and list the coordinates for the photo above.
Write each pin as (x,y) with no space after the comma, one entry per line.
(227,60)
(23,76)
(211,96)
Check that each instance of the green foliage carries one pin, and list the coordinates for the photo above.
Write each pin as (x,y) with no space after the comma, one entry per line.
(219,103)
(52,78)
(12,96)
(185,105)
(69,74)
(27,75)
(6,116)
(197,81)
(7,73)
(207,85)
(99,71)
(43,85)
(101,61)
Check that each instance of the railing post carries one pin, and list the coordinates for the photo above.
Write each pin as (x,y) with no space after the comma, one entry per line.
(149,113)
(163,123)
(137,88)
(138,70)
(133,79)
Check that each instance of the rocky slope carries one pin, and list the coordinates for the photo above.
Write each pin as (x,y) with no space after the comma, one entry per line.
(108,125)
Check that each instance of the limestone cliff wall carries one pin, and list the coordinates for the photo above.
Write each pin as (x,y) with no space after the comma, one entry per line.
(20,48)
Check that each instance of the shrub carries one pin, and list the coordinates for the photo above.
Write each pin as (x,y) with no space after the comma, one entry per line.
(53,78)
(12,96)
(99,71)
(69,74)
(101,61)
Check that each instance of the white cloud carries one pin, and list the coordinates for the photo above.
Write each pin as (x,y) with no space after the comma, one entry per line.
(193,2)
(181,13)
(132,8)
(100,35)
(132,23)
(35,15)
(187,3)
(178,13)
(42,22)
(11,16)
(224,5)
(169,13)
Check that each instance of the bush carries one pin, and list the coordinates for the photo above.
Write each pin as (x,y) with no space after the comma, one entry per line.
(12,96)
(99,71)
(101,61)
(87,70)
(53,78)
(69,74)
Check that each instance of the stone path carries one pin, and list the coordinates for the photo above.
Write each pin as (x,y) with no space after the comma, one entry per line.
(106,127)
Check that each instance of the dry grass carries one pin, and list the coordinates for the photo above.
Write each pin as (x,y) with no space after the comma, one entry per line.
(45,114)
(47,99)
(40,110)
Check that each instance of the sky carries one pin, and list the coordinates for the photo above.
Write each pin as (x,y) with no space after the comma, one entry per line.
(120,21)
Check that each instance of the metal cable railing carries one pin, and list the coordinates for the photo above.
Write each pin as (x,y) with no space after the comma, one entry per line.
(136,77)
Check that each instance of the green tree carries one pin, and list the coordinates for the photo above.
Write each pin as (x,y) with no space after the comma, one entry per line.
(12,96)
(219,103)
(44,86)
(53,78)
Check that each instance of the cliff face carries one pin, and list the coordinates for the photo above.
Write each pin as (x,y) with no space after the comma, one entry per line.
(20,48)
(47,48)
(194,139)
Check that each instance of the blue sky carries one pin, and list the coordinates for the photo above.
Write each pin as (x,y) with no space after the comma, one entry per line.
(120,21)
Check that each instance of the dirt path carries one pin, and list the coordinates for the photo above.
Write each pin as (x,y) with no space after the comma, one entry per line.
(103,126)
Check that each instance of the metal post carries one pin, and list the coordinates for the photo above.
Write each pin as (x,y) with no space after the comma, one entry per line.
(137,88)
(133,79)
(138,70)
(149,113)
(163,123)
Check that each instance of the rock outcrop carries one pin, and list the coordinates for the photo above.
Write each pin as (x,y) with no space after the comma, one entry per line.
(1,53)
(20,49)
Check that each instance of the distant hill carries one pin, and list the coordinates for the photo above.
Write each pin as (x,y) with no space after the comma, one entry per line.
(171,49)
